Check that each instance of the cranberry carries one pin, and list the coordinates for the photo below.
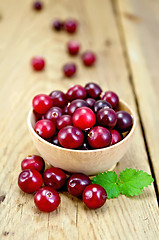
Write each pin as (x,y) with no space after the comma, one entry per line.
(116,137)
(59,98)
(45,128)
(37,5)
(77,103)
(70,137)
(73,47)
(93,90)
(55,140)
(100,104)
(53,114)
(70,25)
(65,110)
(99,137)
(38,63)
(33,162)
(84,118)
(106,117)
(111,97)
(69,69)
(91,102)
(41,103)
(76,92)
(47,199)
(88,58)
(94,196)
(124,121)
(57,24)
(54,177)
(77,183)
(37,116)
(64,121)
(29,180)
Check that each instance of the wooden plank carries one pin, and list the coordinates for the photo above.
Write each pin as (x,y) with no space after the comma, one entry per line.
(25,34)
(139,28)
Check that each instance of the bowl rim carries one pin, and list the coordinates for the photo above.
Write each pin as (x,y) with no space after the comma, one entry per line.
(85,151)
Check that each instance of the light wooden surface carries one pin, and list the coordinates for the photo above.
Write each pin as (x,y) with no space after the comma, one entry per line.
(124,34)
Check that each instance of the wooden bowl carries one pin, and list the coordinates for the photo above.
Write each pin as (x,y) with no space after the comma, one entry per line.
(89,162)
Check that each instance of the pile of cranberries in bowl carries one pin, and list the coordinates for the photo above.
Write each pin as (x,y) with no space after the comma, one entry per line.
(83,118)
(46,184)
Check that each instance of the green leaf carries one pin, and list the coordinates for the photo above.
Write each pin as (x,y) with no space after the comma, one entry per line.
(132,181)
(108,180)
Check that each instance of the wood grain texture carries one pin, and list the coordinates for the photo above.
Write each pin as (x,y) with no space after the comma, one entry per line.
(24,34)
(139,25)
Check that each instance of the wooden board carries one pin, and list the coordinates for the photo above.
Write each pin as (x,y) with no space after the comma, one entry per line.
(24,34)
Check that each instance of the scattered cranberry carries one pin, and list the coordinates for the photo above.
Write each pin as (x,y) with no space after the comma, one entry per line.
(106,117)
(93,90)
(64,121)
(59,98)
(76,92)
(70,25)
(30,181)
(99,137)
(47,199)
(77,183)
(100,104)
(88,58)
(33,162)
(45,128)
(53,114)
(77,103)
(57,24)
(84,118)
(91,102)
(94,196)
(116,137)
(69,69)
(37,5)
(41,103)
(124,121)
(111,97)
(73,47)
(38,63)
(70,137)
(54,177)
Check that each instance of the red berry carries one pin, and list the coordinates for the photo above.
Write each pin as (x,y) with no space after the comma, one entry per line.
(77,183)
(111,97)
(70,25)
(84,118)
(99,137)
(124,121)
(57,24)
(106,117)
(73,47)
(64,121)
(69,69)
(76,92)
(54,177)
(70,137)
(91,102)
(88,58)
(38,63)
(77,103)
(45,128)
(41,103)
(33,162)
(59,98)
(37,5)
(30,181)
(53,114)
(47,199)
(116,137)
(100,104)
(93,90)
(94,196)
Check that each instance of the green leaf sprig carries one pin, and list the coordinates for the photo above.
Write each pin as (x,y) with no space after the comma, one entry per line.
(130,182)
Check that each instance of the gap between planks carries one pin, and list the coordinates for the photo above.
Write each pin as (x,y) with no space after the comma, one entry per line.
(130,76)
